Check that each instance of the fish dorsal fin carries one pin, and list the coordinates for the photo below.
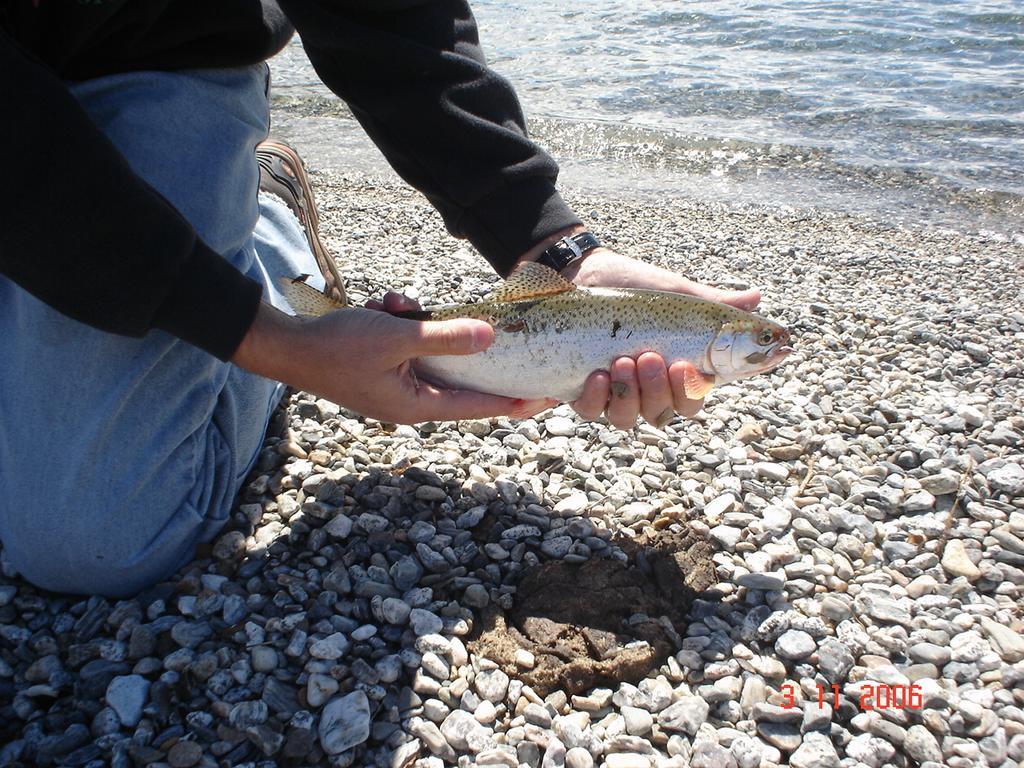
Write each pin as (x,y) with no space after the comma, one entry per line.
(305,299)
(530,280)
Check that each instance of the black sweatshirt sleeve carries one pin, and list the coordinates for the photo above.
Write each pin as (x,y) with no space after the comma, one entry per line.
(83,233)
(414,76)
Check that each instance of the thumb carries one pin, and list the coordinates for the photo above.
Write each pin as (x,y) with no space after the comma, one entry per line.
(452,337)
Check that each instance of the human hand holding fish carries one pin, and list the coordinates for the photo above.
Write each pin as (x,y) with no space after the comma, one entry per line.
(363,360)
(647,386)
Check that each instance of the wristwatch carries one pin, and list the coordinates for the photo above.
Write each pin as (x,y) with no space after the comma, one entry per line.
(568,250)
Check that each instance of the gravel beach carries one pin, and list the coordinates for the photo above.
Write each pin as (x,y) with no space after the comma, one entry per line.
(824,568)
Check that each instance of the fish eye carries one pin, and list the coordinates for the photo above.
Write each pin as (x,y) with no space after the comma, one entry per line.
(764,338)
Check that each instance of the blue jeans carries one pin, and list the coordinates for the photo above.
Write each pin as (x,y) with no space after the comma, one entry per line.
(119,455)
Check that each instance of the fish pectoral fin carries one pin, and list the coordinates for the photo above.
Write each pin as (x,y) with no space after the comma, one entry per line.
(529,280)
(697,384)
(305,299)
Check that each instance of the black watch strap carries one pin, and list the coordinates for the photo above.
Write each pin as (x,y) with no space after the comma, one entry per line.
(567,250)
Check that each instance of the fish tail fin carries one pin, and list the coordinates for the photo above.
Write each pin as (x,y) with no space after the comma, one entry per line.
(305,299)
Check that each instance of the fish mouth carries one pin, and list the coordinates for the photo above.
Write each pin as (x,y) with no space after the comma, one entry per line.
(778,354)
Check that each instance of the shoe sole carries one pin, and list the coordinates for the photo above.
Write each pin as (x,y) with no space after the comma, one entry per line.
(323,258)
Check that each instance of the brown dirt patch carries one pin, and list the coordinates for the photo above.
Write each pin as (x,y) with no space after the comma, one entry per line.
(575,618)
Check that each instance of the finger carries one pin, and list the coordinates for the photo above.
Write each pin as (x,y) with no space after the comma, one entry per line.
(420,388)
(746,300)
(624,406)
(438,404)
(526,409)
(375,305)
(449,337)
(397,302)
(678,373)
(656,402)
(594,399)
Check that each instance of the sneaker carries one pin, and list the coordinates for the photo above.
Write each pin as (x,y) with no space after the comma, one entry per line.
(282,174)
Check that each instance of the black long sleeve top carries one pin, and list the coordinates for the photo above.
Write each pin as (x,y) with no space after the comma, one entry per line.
(87,236)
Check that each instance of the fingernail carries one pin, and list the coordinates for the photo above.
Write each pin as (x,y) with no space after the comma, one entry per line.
(620,389)
(664,418)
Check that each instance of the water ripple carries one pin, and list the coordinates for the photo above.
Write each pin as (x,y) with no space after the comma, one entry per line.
(923,89)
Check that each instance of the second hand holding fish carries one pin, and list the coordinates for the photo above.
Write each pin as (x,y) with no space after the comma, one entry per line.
(646,386)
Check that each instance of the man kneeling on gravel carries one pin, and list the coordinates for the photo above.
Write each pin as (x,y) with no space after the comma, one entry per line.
(144,342)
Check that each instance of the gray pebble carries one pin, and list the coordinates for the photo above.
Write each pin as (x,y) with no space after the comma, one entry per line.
(331,647)
(771,580)
(126,695)
(795,645)
(248,713)
(921,745)
(686,715)
(476,596)
(491,685)
(395,611)
(344,723)
(424,622)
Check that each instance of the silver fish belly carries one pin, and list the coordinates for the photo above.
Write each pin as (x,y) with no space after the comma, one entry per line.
(532,365)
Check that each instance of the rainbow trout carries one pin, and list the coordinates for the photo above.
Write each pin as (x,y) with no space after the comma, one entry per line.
(551,334)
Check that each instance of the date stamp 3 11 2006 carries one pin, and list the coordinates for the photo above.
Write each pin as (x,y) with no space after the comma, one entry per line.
(872,696)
